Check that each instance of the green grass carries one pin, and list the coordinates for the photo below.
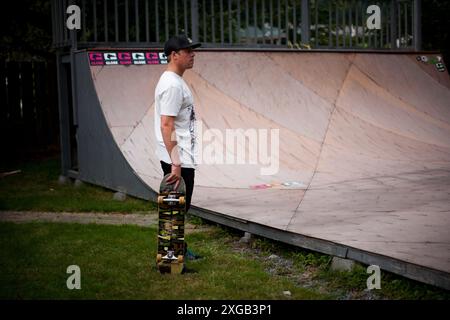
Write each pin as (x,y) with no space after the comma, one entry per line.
(312,270)
(36,188)
(118,262)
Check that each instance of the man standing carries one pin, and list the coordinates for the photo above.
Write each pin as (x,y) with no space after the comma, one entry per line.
(175,116)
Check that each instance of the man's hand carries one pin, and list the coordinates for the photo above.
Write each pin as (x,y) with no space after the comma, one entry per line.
(175,176)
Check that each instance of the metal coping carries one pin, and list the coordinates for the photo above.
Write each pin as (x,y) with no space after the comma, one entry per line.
(265,50)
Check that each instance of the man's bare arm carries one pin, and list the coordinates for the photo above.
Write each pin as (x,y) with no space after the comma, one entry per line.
(169,138)
(170,141)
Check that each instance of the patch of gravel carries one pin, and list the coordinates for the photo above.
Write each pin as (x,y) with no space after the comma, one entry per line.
(139,219)
(360,295)
(143,219)
(279,266)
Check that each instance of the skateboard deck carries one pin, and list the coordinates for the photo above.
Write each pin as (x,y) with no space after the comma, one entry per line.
(171,213)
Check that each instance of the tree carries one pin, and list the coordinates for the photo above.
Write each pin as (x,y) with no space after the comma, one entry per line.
(435,27)
(26,30)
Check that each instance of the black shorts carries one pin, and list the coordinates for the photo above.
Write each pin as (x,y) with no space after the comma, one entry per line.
(188,175)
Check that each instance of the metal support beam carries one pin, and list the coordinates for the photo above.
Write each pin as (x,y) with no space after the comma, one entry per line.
(417,11)
(64,116)
(73,43)
(394,23)
(194,20)
(305,22)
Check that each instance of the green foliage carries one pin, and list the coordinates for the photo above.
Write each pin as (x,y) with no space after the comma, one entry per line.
(26,30)
(435,31)
(306,259)
(194,220)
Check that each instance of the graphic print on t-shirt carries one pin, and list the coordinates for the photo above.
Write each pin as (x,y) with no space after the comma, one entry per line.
(192,120)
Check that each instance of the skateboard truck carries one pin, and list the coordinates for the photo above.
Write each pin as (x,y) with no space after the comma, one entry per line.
(170,256)
(172,199)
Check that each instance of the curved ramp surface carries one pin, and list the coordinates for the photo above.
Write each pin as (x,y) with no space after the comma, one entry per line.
(360,143)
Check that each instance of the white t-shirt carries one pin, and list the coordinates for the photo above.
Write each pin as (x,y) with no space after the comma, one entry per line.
(174,98)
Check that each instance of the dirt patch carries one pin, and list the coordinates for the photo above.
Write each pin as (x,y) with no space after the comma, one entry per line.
(193,228)
(140,219)
(80,217)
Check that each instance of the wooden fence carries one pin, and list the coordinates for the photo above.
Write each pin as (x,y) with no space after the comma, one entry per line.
(28,105)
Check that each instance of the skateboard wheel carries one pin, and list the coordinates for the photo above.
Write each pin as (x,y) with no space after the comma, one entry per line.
(182,201)
(180,259)
(160,199)
(158,257)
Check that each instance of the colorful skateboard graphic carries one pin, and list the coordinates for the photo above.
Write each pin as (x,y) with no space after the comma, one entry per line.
(171,211)
(279,185)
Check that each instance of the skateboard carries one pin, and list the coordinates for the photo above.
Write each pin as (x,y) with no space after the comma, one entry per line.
(171,211)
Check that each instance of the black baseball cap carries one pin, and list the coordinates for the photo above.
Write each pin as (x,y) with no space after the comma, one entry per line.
(177,43)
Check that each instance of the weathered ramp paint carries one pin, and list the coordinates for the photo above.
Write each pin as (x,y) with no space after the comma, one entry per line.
(365,137)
